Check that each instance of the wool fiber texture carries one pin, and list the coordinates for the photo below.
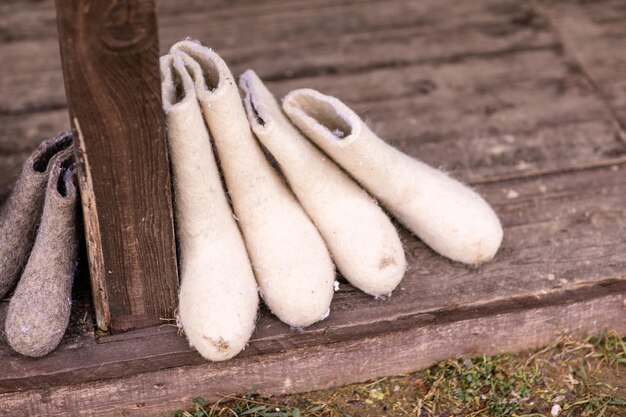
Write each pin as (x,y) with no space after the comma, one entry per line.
(39,311)
(290,261)
(448,216)
(218,297)
(361,238)
(21,212)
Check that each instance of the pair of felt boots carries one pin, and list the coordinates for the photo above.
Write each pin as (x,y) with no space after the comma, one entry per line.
(302,185)
(38,248)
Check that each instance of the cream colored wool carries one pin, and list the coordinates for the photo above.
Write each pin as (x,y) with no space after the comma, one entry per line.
(361,238)
(218,297)
(21,213)
(39,311)
(291,263)
(447,215)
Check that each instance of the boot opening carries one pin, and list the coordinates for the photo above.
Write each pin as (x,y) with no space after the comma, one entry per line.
(324,113)
(41,161)
(209,69)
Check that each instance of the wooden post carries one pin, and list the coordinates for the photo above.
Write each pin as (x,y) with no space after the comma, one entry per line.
(110,63)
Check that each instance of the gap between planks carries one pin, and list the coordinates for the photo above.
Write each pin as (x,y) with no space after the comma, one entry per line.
(570,49)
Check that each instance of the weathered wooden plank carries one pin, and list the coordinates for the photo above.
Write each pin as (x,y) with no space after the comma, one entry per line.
(594,34)
(34,101)
(292,44)
(110,60)
(35,20)
(152,393)
(481,89)
(563,243)
(33,104)
(484,119)
(421,101)
(509,116)
(329,24)
(26,21)
(20,134)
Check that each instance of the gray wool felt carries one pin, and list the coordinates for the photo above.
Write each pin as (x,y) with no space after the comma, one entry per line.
(39,310)
(21,212)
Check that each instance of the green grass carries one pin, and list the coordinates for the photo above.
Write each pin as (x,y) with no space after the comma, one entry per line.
(585,378)
(492,383)
(248,405)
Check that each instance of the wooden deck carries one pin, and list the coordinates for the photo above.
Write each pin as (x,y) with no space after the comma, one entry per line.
(525,103)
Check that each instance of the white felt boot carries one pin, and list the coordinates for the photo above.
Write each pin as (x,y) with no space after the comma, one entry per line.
(361,238)
(218,294)
(290,260)
(447,215)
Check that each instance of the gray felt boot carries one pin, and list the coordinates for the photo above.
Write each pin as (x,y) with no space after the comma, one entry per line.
(21,213)
(40,308)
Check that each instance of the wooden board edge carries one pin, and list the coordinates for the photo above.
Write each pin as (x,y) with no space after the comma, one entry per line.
(92,231)
(159,348)
(158,393)
(126,194)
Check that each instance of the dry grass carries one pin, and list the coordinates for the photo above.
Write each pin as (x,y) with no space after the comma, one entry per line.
(577,378)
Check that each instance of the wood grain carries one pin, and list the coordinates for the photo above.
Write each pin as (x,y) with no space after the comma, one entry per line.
(159,393)
(110,63)
(427,75)
(563,243)
(33,97)
(354,38)
(504,119)
(488,90)
(593,35)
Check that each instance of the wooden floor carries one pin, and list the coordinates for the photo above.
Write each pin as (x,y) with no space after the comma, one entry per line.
(527,103)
